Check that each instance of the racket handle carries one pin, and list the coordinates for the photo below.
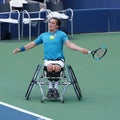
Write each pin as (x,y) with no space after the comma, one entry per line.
(89,52)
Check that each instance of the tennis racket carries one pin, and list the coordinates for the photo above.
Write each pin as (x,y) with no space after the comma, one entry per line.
(98,53)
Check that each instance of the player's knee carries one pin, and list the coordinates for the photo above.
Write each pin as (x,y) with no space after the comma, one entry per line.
(57,68)
(49,68)
(48,71)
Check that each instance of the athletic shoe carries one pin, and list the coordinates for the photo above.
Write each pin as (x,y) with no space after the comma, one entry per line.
(50,93)
(55,93)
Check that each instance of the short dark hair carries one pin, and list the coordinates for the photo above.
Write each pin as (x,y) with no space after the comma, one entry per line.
(58,20)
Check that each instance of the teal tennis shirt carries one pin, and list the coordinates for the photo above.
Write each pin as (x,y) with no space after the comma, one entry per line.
(53,44)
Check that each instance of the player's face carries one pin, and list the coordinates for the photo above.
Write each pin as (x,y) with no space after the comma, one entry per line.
(52,25)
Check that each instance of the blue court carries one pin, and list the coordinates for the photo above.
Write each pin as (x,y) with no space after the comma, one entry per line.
(9,112)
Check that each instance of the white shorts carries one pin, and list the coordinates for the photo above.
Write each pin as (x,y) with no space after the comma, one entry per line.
(59,62)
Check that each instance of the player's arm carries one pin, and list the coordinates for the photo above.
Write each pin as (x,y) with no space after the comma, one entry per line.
(73,46)
(25,47)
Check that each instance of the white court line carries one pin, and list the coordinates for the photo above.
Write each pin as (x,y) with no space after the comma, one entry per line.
(25,111)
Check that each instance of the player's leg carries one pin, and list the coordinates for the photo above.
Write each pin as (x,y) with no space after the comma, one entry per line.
(57,69)
(53,69)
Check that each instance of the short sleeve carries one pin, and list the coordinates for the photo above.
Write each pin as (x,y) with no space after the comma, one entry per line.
(38,40)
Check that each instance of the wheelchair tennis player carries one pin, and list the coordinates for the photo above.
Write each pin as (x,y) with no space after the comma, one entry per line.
(53,42)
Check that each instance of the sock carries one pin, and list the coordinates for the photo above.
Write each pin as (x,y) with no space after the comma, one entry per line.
(50,84)
(56,85)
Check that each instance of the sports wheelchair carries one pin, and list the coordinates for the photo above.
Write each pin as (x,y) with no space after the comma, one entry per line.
(67,78)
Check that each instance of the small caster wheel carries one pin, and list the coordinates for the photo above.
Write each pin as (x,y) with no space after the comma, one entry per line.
(27,98)
(62,101)
(42,101)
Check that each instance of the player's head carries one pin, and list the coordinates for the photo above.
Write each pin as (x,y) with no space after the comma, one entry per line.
(54,23)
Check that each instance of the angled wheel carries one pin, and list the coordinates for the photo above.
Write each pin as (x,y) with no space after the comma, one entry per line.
(74,82)
(33,82)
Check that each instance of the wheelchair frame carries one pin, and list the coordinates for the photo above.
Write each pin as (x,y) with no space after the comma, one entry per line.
(66,79)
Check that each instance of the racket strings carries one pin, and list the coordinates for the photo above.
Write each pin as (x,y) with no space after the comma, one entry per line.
(99,53)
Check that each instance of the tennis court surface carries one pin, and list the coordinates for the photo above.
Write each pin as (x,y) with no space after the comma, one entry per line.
(99,80)
(9,112)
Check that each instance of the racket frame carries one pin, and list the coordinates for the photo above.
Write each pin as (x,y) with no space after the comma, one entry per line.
(94,52)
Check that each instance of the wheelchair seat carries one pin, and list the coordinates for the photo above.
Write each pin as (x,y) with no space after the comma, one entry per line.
(67,77)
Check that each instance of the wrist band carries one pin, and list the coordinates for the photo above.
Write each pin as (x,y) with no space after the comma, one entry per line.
(22,49)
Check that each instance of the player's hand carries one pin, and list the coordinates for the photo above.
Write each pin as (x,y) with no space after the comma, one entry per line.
(84,51)
(16,50)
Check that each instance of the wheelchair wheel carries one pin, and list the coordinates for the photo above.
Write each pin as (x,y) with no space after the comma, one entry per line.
(74,82)
(33,82)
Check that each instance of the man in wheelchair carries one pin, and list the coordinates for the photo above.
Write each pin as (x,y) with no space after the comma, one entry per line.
(53,42)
